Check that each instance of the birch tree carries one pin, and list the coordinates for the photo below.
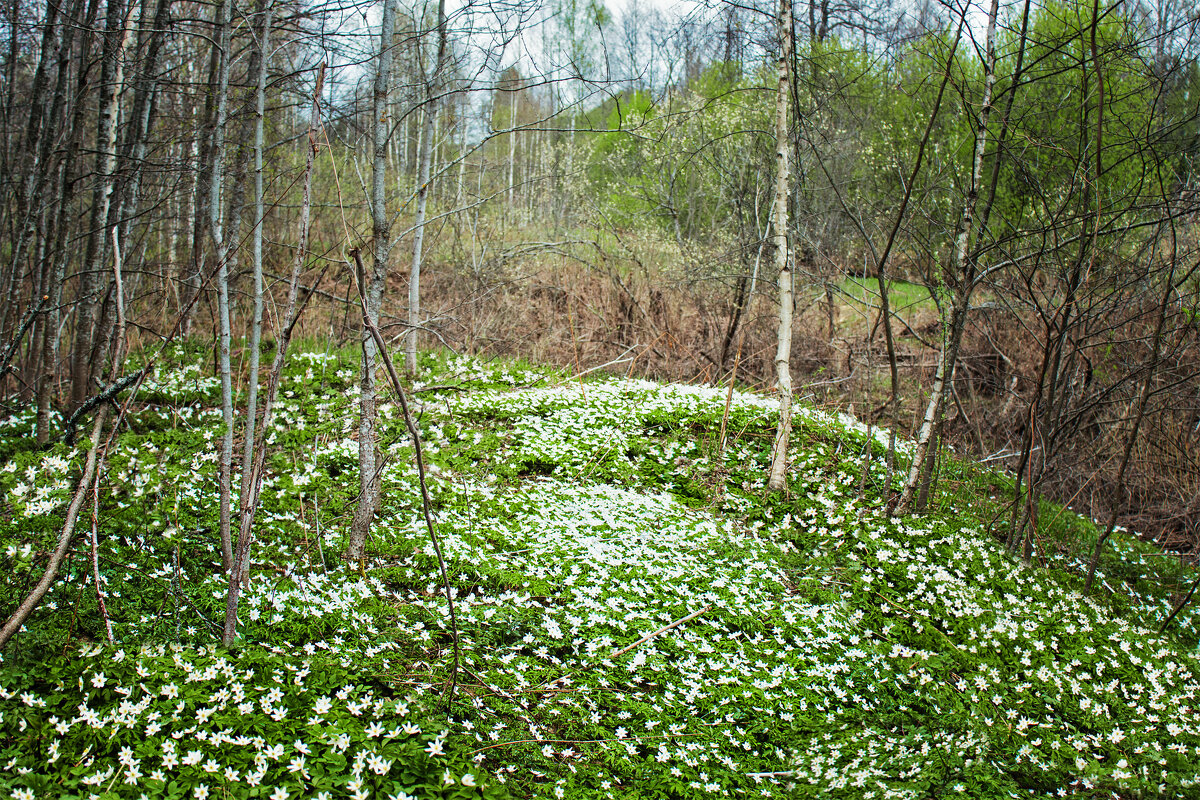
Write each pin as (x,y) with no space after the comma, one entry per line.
(252,483)
(260,108)
(368,472)
(63,193)
(964,276)
(432,89)
(783,352)
(115,30)
(224,27)
(30,159)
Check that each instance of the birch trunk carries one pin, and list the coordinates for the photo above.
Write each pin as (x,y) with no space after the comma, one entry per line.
(368,476)
(220,253)
(154,25)
(432,87)
(256,246)
(97,244)
(783,352)
(459,197)
(203,181)
(248,507)
(36,145)
(56,252)
(188,275)
(512,147)
(964,272)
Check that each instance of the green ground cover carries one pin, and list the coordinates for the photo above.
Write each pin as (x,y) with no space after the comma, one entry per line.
(832,650)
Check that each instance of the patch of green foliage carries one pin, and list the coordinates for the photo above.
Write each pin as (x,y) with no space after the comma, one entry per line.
(638,615)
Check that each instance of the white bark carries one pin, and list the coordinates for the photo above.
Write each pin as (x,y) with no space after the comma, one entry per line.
(188,280)
(368,498)
(240,573)
(783,352)
(260,107)
(459,199)
(115,35)
(432,86)
(512,145)
(965,281)
(215,218)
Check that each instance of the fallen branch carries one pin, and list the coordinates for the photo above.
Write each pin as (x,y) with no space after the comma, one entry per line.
(585,741)
(442,387)
(1175,612)
(621,359)
(65,537)
(22,327)
(109,393)
(96,555)
(660,631)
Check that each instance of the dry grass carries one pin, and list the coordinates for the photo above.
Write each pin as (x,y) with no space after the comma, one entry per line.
(635,304)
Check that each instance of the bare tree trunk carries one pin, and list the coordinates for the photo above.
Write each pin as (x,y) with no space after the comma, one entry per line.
(105,324)
(37,141)
(133,151)
(188,274)
(426,504)
(240,574)
(512,148)
(368,475)
(86,323)
(220,253)
(463,145)
(56,252)
(432,87)
(404,146)
(881,261)
(10,74)
(783,371)
(260,107)
(964,271)
(240,155)
(202,149)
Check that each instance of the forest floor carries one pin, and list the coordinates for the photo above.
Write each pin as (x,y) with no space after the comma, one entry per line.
(823,648)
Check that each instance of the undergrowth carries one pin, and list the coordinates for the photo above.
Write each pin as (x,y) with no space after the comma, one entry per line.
(830,650)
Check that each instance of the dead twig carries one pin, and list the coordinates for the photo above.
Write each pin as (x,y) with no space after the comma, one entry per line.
(23,326)
(660,631)
(583,741)
(426,503)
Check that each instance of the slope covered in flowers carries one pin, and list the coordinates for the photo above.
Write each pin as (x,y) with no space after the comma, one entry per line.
(820,647)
